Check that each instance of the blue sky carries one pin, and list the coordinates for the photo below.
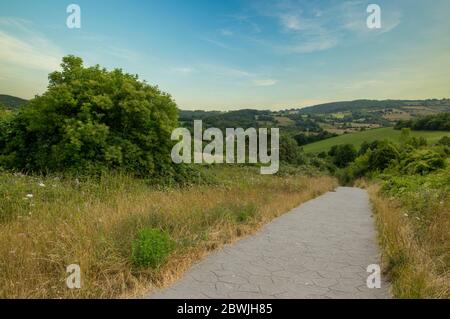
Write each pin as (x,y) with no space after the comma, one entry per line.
(233,54)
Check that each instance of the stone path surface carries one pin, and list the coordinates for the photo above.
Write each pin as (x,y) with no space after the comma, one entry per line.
(318,250)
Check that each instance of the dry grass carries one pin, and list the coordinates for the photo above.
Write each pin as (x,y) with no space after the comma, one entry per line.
(93,224)
(415,252)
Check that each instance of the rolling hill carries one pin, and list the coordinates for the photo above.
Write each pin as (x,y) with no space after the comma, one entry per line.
(346,106)
(11,102)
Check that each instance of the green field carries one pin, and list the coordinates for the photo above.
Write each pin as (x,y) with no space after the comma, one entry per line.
(357,139)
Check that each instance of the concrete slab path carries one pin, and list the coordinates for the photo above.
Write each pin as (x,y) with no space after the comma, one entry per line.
(318,250)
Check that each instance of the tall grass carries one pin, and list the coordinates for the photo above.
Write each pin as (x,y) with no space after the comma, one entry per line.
(413,218)
(94,222)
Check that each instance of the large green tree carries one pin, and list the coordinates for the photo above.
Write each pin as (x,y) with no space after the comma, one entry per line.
(91,119)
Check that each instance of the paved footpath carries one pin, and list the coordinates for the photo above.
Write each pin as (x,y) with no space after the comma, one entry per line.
(318,250)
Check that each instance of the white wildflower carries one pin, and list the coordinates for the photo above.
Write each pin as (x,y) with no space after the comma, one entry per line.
(41,184)
(29,195)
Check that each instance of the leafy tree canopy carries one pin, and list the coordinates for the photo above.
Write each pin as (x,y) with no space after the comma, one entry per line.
(91,119)
(343,154)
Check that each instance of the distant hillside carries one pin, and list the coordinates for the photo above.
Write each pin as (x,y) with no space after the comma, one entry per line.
(440,105)
(11,102)
(244,118)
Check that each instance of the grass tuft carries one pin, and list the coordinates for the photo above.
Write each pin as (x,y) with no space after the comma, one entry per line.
(151,248)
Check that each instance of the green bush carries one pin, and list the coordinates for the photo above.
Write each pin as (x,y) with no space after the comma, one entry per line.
(6,117)
(151,248)
(290,152)
(445,141)
(422,161)
(91,119)
(357,169)
(382,156)
(343,154)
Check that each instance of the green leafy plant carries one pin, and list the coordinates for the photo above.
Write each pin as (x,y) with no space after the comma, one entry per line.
(423,161)
(151,248)
(445,141)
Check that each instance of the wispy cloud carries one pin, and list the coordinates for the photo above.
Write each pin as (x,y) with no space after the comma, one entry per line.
(217,43)
(226,32)
(245,21)
(306,26)
(290,22)
(22,45)
(264,82)
(226,71)
(244,77)
(183,70)
(122,53)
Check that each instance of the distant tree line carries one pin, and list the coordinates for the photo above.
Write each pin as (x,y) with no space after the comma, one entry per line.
(303,139)
(438,122)
(364,104)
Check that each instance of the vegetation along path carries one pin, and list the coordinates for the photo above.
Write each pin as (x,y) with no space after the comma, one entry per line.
(319,250)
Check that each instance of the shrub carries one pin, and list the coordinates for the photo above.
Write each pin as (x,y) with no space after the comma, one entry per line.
(343,154)
(357,169)
(91,119)
(444,141)
(151,248)
(5,125)
(382,156)
(290,152)
(422,161)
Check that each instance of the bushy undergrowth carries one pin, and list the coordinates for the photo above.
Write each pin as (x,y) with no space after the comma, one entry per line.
(424,197)
(383,157)
(413,213)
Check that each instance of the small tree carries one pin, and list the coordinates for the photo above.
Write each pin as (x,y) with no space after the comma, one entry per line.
(382,156)
(405,135)
(91,119)
(343,154)
(290,152)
